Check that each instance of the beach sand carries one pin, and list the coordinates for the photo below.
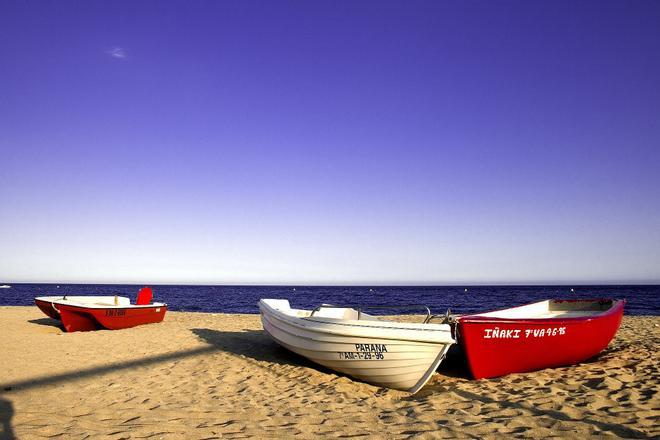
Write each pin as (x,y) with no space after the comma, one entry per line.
(203,375)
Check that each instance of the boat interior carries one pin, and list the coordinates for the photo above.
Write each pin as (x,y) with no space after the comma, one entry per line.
(324,311)
(553,309)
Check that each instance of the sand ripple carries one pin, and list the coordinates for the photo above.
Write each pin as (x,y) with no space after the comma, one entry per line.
(199,375)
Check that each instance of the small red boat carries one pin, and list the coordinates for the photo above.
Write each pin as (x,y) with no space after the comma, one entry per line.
(545,334)
(84,313)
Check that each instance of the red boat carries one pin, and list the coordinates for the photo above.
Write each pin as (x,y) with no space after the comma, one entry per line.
(84,313)
(545,334)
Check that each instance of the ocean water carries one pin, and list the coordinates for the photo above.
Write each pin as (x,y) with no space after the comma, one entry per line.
(641,300)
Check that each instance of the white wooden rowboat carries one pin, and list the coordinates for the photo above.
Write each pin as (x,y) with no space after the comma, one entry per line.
(391,354)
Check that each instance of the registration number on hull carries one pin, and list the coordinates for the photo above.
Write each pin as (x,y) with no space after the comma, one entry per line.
(365,352)
(497,333)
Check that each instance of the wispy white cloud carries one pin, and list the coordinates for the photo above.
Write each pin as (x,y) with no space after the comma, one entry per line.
(117,52)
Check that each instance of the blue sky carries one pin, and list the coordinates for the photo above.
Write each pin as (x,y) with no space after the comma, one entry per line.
(330,142)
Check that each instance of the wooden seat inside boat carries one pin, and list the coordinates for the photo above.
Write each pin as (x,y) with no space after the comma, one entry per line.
(336,313)
(566,314)
(552,309)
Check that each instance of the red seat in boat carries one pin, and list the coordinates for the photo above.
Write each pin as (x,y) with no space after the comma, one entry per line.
(144,296)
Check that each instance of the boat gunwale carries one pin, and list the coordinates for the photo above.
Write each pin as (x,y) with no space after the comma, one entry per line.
(377,326)
(478,318)
(98,306)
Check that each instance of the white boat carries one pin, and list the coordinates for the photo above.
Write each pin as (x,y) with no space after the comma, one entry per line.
(5,286)
(391,354)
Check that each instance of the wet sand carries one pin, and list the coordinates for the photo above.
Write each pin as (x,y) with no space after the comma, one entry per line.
(201,375)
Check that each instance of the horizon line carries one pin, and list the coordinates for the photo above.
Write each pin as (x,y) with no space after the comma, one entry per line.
(360,284)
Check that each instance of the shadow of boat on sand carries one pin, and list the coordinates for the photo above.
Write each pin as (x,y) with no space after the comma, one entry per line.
(254,344)
(50,322)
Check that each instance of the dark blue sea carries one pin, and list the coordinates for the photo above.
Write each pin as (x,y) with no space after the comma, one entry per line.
(641,300)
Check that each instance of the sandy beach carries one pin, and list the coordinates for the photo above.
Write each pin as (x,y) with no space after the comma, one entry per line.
(202,375)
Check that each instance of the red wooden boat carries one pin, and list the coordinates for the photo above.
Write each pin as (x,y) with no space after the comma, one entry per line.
(84,313)
(545,334)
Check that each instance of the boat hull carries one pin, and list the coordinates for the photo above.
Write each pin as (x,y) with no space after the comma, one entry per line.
(393,363)
(48,309)
(80,318)
(499,346)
